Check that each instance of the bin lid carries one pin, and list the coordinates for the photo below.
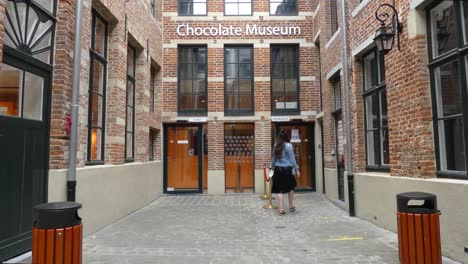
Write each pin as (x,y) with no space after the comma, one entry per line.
(428,207)
(57,215)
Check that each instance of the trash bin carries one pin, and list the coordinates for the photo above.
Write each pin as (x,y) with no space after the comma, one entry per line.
(418,228)
(57,233)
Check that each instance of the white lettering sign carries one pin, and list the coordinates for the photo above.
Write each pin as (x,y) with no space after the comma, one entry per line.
(184,30)
(279,119)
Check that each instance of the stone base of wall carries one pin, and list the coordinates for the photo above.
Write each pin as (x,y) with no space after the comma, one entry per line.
(375,196)
(109,192)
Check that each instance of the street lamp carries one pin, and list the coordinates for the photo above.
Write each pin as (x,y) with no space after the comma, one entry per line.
(385,35)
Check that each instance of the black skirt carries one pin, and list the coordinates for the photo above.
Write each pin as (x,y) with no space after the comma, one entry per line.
(283,180)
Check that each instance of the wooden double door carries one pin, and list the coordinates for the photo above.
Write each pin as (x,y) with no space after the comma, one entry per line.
(302,139)
(186,159)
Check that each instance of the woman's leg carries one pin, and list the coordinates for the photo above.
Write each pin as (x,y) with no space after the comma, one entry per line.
(291,198)
(280,202)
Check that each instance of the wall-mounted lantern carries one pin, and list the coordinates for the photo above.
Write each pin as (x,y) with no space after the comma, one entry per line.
(385,35)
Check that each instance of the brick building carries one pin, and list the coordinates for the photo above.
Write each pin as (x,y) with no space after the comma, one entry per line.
(187,96)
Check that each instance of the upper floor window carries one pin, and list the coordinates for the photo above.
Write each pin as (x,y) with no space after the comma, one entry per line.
(29,27)
(337,93)
(238,80)
(152,89)
(97,88)
(192,8)
(375,108)
(449,83)
(284,79)
(192,83)
(283,7)
(130,105)
(153,8)
(333,16)
(237,7)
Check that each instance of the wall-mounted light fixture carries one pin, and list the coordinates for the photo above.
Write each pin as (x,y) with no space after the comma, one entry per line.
(385,35)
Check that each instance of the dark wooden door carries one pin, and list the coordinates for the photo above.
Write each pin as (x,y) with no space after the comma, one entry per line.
(24,133)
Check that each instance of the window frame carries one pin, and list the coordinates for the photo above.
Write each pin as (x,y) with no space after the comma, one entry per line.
(199,112)
(336,80)
(132,79)
(278,1)
(191,14)
(285,111)
(103,61)
(251,8)
(370,92)
(238,112)
(459,55)
(333,19)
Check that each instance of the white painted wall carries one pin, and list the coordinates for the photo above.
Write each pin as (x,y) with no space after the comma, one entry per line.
(376,202)
(109,192)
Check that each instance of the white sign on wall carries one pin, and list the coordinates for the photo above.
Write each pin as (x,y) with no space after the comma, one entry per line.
(184,30)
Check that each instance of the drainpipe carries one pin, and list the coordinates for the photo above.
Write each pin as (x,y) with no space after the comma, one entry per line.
(349,155)
(71,174)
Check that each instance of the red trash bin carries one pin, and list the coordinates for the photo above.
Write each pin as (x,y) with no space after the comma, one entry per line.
(57,234)
(418,229)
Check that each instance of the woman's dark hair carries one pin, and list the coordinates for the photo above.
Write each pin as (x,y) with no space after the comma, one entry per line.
(279,146)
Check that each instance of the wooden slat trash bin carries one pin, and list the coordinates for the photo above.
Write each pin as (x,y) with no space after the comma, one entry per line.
(57,234)
(418,228)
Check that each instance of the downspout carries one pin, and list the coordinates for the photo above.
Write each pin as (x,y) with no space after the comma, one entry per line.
(349,157)
(71,174)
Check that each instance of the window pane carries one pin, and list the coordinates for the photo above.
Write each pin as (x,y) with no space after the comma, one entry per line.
(465,19)
(290,85)
(129,119)
(245,86)
(337,93)
(96,110)
(11,81)
(370,71)
(200,101)
(278,86)
(278,101)
(245,71)
(245,8)
(231,101)
(186,102)
(231,8)
(383,108)
(231,70)
(452,144)
(100,37)
(245,55)
(277,70)
(286,7)
(231,55)
(186,71)
(199,86)
(129,145)
(384,146)
(372,111)
(33,96)
(291,101)
(199,8)
(129,93)
(46,4)
(443,28)
(130,61)
(231,85)
(96,143)
(245,101)
(200,70)
(185,86)
(372,147)
(449,98)
(290,70)
(98,77)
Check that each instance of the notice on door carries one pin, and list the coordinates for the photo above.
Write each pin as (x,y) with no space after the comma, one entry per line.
(182,141)
(295,136)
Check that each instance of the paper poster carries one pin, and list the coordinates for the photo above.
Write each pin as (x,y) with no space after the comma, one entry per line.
(182,141)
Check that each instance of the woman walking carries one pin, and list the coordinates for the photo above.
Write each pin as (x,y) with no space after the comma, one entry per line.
(283,163)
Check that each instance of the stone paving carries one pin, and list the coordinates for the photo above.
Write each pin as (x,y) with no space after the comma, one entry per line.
(236,229)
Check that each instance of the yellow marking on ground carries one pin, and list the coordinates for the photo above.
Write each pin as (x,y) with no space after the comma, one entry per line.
(345,238)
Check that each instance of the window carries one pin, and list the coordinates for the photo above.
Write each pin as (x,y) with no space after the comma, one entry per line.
(97,89)
(333,16)
(130,105)
(152,143)
(192,80)
(153,8)
(238,80)
(284,79)
(448,68)
(152,89)
(375,108)
(192,8)
(237,7)
(337,93)
(283,7)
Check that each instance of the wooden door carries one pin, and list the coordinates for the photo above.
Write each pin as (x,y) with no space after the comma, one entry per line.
(183,158)
(24,139)
(238,156)
(302,140)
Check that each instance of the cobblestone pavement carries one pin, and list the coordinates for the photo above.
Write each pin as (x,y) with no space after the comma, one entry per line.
(236,229)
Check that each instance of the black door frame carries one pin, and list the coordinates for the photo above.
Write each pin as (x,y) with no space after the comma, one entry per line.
(311,125)
(21,61)
(200,158)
